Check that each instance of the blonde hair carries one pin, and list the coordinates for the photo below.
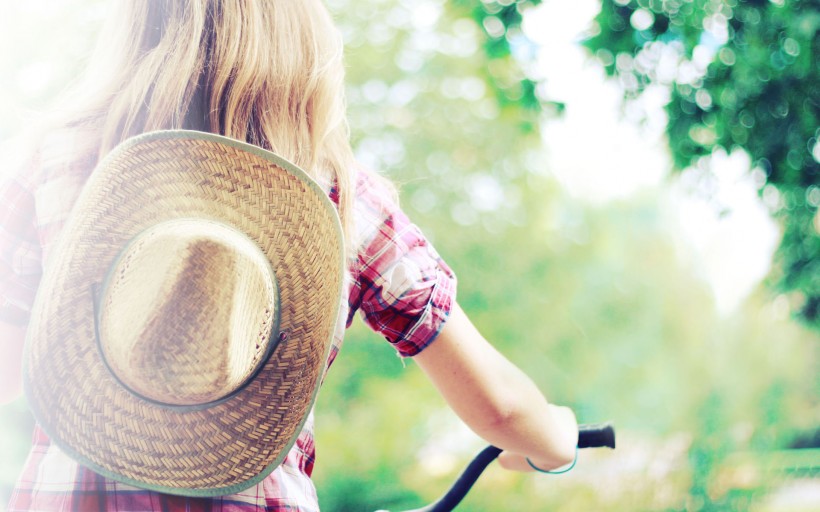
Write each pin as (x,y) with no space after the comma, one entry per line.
(266,72)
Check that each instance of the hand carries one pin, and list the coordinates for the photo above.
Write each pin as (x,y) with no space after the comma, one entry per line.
(514,462)
(564,451)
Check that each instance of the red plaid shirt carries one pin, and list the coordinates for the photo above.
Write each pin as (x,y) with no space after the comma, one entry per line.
(399,284)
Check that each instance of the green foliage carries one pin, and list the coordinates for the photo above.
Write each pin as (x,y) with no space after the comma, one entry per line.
(758,91)
(345,493)
(501,29)
(584,299)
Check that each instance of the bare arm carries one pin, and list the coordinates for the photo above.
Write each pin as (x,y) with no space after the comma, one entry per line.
(496,399)
(11,360)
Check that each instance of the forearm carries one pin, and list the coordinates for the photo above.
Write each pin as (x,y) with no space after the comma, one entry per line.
(496,399)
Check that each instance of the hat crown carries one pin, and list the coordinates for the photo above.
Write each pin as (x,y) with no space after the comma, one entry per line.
(187,312)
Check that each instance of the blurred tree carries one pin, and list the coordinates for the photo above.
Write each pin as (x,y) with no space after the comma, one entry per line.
(500,23)
(742,74)
(439,99)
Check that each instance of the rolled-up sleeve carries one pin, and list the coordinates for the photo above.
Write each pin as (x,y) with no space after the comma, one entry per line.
(20,252)
(402,287)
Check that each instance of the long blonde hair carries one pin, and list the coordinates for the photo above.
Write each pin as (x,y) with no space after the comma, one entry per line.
(266,72)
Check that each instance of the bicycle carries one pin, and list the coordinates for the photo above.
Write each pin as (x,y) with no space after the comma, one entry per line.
(589,436)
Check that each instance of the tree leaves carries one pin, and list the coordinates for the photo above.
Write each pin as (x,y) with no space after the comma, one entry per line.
(746,77)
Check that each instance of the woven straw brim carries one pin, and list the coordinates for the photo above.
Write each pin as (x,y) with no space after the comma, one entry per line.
(234,443)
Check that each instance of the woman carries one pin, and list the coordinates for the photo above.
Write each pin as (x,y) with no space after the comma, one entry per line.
(271,74)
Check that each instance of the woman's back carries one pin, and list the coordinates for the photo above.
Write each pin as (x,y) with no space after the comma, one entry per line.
(408,311)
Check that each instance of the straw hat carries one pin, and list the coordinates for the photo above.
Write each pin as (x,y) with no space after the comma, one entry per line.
(181,330)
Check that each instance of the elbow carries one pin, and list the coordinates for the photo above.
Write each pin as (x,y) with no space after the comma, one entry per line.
(499,418)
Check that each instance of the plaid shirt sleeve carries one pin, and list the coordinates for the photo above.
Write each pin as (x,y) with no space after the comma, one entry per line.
(402,287)
(20,252)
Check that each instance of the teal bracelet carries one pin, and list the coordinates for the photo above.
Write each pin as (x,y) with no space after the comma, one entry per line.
(533,466)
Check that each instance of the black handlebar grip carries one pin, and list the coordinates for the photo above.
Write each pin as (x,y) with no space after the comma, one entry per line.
(595,436)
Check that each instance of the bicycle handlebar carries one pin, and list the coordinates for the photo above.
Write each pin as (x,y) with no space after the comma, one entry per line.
(589,436)
(599,435)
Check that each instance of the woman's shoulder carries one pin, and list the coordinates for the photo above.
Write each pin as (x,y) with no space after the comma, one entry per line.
(33,159)
(374,189)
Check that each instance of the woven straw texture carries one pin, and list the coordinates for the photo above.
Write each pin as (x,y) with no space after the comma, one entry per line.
(187,312)
(194,451)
